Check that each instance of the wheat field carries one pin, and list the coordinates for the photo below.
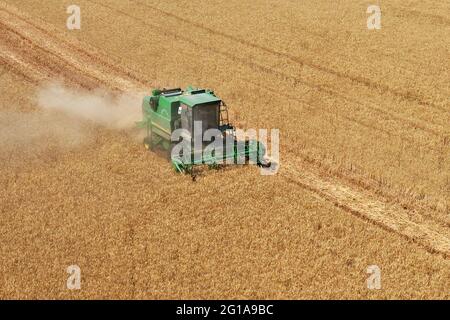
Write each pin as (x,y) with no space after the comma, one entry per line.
(364,175)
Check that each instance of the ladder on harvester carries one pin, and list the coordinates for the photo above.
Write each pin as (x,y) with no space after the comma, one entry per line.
(224,124)
(224,121)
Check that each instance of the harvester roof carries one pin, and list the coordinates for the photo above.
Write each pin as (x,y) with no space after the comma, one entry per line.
(198,98)
(190,97)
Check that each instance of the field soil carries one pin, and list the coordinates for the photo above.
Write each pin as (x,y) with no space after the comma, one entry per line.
(364,170)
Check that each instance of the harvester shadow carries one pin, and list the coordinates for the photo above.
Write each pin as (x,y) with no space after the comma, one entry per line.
(204,170)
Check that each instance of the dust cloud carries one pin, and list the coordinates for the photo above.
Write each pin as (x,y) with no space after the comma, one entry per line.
(99,106)
(64,118)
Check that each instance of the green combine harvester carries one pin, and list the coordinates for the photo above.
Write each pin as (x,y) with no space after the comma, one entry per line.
(195,112)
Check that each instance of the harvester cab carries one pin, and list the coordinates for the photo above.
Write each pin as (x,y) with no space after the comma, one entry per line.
(193,127)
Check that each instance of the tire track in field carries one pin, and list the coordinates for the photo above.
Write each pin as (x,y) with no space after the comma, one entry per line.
(408,224)
(405,95)
(91,54)
(52,59)
(17,66)
(283,77)
(30,53)
(421,16)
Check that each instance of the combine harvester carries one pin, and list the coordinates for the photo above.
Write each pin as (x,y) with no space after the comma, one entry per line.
(176,121)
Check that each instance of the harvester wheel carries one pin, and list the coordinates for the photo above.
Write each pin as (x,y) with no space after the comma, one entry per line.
(214,166)
(267,164)
(169,151)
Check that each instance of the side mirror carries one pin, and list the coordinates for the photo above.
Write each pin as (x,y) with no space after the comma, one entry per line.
(154,103)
